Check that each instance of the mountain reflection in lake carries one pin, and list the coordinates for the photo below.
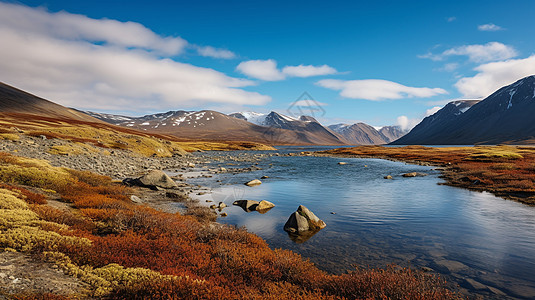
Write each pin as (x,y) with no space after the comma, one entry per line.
(469,237)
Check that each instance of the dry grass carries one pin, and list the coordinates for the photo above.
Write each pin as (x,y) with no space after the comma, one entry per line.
(506,171)
(128,251)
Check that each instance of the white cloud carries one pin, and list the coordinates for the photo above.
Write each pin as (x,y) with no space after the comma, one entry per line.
(261,69)
(450,67)
(489,27)
(492,51)
(405,123)
(376,90)
(432,110)
(267,70)
(215,53)
(493,76)
(73,27)
(106,64)
(451,19)
(308,70)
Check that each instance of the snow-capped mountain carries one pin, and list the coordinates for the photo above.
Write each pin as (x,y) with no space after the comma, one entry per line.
(212,125)
(505,116)
(359,134)
(392,133)
(273,119)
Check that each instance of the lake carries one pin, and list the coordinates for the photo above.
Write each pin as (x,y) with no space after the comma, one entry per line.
(483,243)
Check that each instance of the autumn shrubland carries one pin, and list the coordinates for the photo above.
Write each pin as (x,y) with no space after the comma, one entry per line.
(506,171)
(129,251)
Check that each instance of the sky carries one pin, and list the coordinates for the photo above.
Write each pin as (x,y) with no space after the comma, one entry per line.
(378,62)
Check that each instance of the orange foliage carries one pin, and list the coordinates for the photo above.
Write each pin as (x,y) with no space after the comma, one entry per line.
(29,197)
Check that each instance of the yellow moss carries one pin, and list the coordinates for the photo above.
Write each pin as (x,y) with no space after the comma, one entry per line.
(34,172)
(10,218)
(497,152)
(50,178)
(73,148)
(9,200)
(110,277)
(9,136)
(27,238)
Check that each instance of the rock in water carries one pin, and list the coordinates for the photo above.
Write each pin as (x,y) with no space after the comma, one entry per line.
(342,163)
(303,220)
(264,205)
(414,174)
(296,223)
(253,182)
(157,178)
(247,205)
(388,177)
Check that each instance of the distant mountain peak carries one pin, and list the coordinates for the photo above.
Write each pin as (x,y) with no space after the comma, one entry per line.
(504,116)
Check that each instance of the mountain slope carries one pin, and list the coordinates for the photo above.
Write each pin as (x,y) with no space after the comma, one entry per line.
(506,116)
(359,134)
(15,101)
(392,133)
(431,128)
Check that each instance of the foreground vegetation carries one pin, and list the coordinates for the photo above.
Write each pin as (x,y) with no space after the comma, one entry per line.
(506,171)
(128,251)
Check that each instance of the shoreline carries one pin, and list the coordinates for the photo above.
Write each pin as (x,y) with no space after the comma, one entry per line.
(453,170)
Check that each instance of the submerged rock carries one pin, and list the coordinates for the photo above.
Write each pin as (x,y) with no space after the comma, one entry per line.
(414,174)
(303,220)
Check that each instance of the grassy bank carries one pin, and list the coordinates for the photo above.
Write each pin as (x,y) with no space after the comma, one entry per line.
(506,171)
(128,251)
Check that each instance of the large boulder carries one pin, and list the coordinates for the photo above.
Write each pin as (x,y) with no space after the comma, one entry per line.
(303,220)
(157,178)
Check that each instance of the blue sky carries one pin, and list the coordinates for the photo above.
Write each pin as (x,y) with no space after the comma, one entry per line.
(380,62)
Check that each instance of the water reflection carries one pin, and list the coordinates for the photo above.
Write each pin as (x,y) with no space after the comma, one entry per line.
(458,233)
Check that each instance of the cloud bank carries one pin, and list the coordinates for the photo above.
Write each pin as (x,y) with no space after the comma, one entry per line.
(267,70)
(492,76)
(492,51)
(105,64)
(377,90)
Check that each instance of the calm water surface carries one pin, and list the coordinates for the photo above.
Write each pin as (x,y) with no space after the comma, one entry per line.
(469,237)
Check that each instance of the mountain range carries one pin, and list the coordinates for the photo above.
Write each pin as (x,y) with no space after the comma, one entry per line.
(506,116)
(364,134)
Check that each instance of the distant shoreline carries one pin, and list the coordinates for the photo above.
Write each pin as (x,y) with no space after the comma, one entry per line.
(505,171)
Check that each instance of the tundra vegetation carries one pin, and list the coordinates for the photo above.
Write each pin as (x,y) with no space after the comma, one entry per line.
(130,251)
(506,171)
